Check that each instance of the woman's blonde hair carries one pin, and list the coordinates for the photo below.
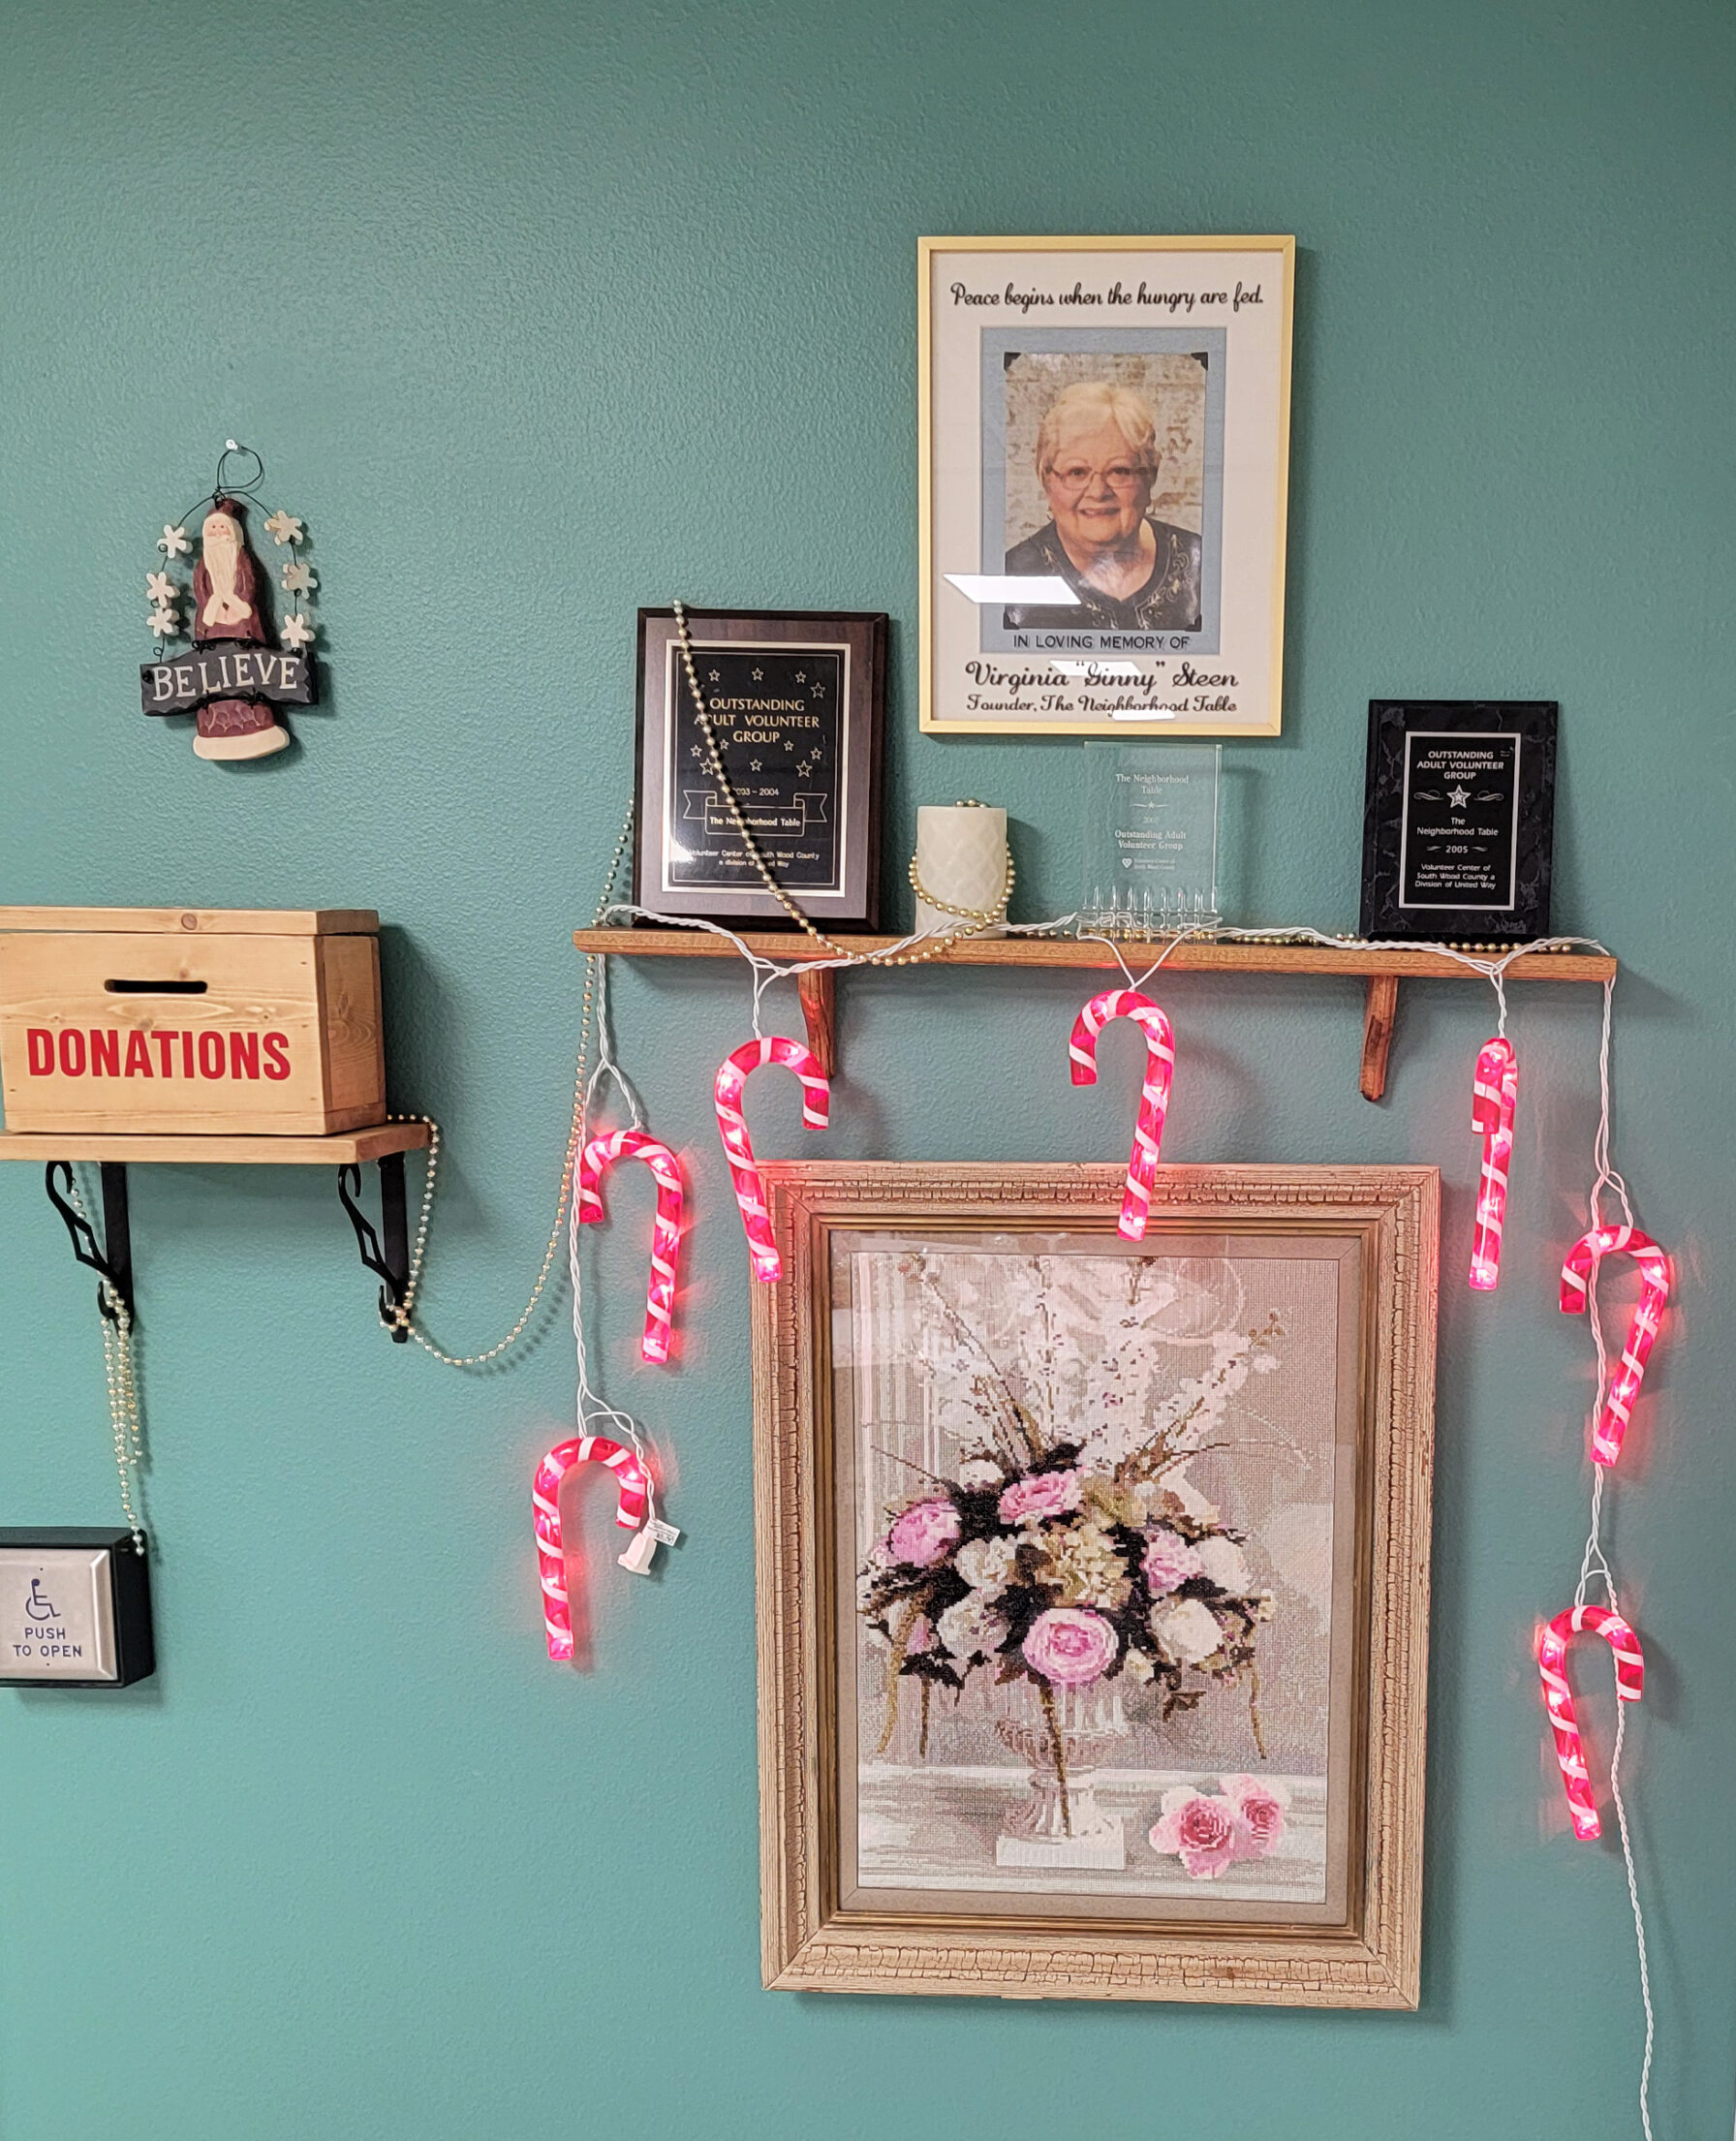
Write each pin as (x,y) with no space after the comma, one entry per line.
(1089,404)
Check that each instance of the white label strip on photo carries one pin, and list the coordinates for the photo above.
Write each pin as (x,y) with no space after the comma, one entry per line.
(1014,587)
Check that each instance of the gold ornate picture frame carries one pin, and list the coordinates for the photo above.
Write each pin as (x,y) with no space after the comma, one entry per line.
(1103,479)
(1092,1582)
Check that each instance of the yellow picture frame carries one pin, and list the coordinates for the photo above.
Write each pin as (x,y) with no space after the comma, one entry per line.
(1250,530)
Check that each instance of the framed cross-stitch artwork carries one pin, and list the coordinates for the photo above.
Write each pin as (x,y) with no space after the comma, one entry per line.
(1093,1581)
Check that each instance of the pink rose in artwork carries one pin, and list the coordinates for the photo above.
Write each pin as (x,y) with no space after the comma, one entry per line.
(1043,1494)
(1262,1807)
(925,1534)
(1069,1648)
(1169,1560)
(1207,1833)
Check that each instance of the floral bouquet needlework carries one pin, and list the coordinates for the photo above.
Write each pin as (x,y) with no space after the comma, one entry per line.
(1074,1557)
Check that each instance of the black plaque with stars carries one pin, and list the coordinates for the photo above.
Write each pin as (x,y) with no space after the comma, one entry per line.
(1459,818)
(795,705)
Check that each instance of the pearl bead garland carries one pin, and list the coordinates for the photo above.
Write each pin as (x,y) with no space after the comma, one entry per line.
(971,918)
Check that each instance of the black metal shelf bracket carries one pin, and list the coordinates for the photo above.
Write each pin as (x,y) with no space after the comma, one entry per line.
(387,1260)
(111,1257)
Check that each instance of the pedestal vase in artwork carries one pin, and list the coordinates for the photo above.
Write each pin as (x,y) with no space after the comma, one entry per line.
(1059,1822)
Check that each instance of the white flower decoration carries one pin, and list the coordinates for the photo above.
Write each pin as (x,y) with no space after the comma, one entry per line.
(283,527)
(1190,1500)
(165,623)
(160,587)
(979,1471)
(1220,1562)
(172,542)
(971,1628)
(299,579)
(986,1564)
(298,629)
(1186,1630)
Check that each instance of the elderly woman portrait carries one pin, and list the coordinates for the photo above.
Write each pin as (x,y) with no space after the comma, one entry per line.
(1097,462)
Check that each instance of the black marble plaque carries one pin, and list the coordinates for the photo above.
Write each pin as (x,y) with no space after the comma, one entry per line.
(1458,819)
(793,701)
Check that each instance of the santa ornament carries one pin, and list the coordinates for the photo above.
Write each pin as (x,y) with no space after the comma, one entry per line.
(233,673)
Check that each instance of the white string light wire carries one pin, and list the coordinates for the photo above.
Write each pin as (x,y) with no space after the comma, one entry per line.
(594,1413)
(1595,1564)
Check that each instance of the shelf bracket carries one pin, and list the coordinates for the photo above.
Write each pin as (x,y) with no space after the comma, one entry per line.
(1378,1016)
(387,1260)
(817,988)
(110,1258)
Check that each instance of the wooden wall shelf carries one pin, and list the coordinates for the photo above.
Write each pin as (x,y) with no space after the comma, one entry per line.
(1383,971)
(111,1257)
(354,1149)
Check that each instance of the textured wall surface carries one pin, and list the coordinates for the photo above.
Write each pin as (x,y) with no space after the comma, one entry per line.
(543,312)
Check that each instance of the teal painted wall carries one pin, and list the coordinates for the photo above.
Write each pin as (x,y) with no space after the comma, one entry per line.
(541,313)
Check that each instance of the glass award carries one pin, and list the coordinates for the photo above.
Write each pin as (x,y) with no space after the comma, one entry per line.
(1151,839)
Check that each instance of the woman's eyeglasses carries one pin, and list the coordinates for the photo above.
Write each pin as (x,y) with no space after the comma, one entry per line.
(1075,477)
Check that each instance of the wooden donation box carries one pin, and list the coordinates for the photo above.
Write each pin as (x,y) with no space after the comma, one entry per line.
(198,1021)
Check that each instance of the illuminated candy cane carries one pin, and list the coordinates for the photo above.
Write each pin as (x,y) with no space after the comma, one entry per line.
(1611,1423)
(732,1128)
(1154,1093)
(1494,1089)
(665,1232)
(1557,1697)
(632,1509)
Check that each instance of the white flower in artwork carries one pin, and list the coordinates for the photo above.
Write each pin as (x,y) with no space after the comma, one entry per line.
(160,587)
(972,1628)
(1189,1500)
(299,579)
(979,1471)
(172,542)
(986,1564)
(298,629)
(1186,1630)
(284,527)
(165,623)
(1136,1666)
(1220,1562)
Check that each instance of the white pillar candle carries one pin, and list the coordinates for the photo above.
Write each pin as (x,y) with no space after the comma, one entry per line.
(961,859)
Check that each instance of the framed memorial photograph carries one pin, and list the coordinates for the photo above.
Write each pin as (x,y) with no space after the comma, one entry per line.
(1093,1581)
(1103,474)
(795,702)
(1458,819)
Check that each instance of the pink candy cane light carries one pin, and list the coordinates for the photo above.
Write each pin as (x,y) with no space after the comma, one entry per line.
(1493,1090)
(665,1232)
(1577,1275)
(1154,1093)
(732,1128)
(1558,1698)
(632,1507)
